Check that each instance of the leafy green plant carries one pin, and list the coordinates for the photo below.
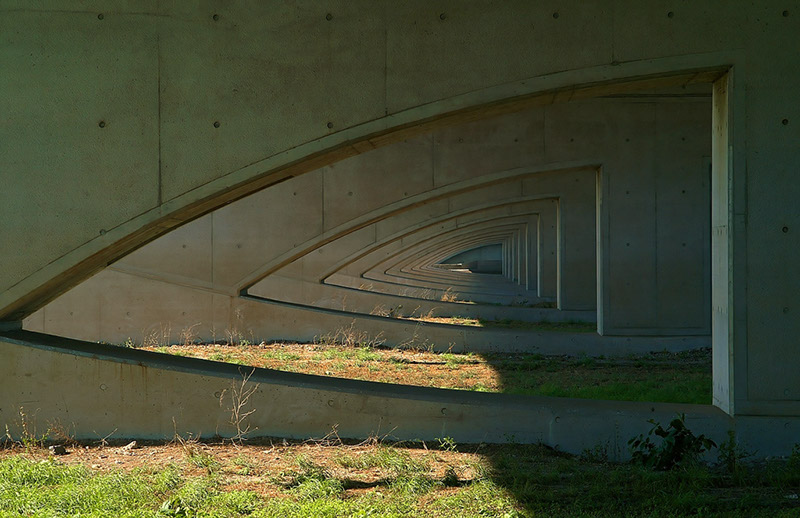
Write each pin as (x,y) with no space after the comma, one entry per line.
(447,443)
(678,446)
(731,453)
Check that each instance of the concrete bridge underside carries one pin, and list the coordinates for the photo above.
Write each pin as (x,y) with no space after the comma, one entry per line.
(355,131)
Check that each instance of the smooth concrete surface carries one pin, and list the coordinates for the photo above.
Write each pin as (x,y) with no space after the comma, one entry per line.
(164,113)
(370,302)
(237,319)
(223,251)
(387,248)
(154,396)
(106,391)
(482,253)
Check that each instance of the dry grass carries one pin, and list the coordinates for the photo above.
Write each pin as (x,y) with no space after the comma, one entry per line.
(684,378)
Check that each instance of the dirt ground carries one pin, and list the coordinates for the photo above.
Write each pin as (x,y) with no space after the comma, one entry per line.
(263,466)
(516,373)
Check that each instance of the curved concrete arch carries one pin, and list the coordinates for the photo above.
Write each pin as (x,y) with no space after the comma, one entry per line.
(436,194)
(412,250)
(327,292)
(430,222)
(410,276)
(488,252)
(32,283)
(546,245)
(412,261)
(173,70)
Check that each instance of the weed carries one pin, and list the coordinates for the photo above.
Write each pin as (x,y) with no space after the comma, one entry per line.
(598,454)
(449,295)
(189,335)
(350,336)
(60,433)
(29,437)
(158,335)
(197,454)
(447,443)
(103,441)
(731,454)
(678,446)
(240,394)
(380,311)
(313,482)
(246,464)
(398,463)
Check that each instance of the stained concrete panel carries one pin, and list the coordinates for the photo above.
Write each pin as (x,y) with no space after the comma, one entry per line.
(72,73)
(576,233)
(367,182)
(631,255)
(277,73)
(456,45)
(654,30)
(317,262)
(683,212)
(77,312)
(262,227)
(773,224)
(489,146)
(183,256)
(390,226)
(498,191)
(152,312)
(490,213)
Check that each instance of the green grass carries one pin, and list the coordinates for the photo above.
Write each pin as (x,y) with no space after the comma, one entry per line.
(683,377)
(646,378)
(507,480)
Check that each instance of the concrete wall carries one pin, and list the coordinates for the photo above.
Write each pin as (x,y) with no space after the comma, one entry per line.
(339,227)
(151,395)
(159,76)
(482,253)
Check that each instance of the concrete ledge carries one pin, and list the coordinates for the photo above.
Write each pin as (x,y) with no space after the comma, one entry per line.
(96,389)
(304,323)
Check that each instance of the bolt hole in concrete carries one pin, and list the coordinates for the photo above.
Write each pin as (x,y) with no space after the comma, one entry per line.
(670,14)
(216,124)
(555,15)
(330,125)
(102,124)
(329,17)
(442,16)
(785,14)
(100,16)
(785,230)
(215,17)
(785,122)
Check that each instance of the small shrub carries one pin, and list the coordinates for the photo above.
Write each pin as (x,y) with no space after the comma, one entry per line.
(678,446)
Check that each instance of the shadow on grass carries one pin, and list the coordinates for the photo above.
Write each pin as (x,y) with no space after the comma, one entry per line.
(676,378)
(548,483)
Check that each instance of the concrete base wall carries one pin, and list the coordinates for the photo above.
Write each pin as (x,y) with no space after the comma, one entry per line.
(109,391)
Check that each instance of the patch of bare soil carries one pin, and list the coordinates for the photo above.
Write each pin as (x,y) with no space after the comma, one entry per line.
(409,367)
(265,466)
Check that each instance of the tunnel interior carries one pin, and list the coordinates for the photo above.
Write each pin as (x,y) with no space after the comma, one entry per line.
(595,211)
